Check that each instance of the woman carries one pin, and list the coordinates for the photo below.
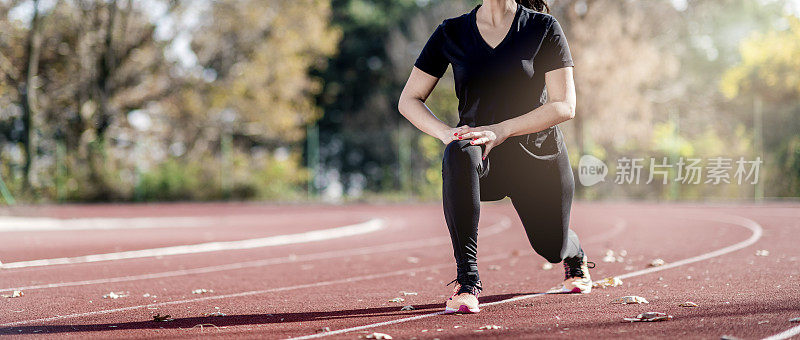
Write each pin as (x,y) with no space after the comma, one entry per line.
(506,142)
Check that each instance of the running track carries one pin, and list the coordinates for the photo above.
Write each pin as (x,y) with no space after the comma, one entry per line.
(300,271)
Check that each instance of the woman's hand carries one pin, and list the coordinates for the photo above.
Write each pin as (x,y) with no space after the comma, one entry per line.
(489,135)
(449,134)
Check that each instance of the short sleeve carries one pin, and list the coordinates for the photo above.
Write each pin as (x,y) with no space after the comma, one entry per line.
(554,53)
(432,59)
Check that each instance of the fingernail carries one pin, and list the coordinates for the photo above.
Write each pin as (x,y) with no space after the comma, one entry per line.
(455,133)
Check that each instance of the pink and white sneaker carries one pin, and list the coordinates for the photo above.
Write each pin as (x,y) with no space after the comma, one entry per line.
(576,277)
(464,299)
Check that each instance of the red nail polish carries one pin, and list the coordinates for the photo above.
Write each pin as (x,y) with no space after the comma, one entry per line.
(455,133)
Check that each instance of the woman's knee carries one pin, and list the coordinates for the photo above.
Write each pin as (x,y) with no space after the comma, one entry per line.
(457,155)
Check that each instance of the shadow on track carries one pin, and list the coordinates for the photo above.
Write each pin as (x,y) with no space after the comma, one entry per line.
(239,320)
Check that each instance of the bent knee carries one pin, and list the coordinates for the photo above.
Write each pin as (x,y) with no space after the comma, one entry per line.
(458,154)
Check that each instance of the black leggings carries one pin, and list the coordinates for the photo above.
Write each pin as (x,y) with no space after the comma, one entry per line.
(540,187)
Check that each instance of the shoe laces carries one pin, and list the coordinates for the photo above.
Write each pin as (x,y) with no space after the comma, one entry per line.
(473,288)
(573,267)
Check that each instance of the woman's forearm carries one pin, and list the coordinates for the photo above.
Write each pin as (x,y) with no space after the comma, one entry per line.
(418,114)
(541,118)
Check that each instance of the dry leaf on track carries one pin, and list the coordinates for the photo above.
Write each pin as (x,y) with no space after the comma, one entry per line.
(113,295)
(14,294)
(162,318)
(631,299)
(650,317)
(607,282)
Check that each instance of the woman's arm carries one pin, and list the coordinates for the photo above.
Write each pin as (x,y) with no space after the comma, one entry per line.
(560,107)
(412,106)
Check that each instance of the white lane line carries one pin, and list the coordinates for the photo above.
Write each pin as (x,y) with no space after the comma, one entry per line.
(785,334)
(754,227)
(250,293)
(493,229)
(16,223)
(310,236)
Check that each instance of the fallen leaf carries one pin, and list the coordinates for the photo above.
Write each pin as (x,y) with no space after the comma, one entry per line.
(491,327)
(688,304)
(609,256)
(324,329)
(408,293)
(729,337)
(377,335)
(762,252)
(412,259)
(631,299)
(650,317)
(113,295)
(14,294)
(407,308)
(397,299)
(202,291)
(657,263)
(607,282)
(215,314)
(160,318)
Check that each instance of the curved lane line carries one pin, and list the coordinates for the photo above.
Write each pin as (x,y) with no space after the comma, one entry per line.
(785,334)
(754,227)
(310,236)
(29,224)
(496,228)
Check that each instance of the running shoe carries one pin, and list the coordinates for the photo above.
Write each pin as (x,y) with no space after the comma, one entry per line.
(576,276)
(464,299)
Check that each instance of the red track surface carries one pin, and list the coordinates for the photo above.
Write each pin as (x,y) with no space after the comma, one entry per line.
(295,291)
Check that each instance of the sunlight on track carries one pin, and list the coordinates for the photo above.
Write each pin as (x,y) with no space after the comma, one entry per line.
(493,229)
(271,241)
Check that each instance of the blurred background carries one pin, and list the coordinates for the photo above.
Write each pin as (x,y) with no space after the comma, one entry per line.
(275,100)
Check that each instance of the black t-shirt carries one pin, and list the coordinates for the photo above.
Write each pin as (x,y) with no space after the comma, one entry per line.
(496,84)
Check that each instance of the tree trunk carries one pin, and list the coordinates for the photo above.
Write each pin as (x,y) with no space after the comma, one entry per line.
(27,91)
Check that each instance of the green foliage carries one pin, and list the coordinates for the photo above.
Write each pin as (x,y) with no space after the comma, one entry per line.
(769,65)
(174,180)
